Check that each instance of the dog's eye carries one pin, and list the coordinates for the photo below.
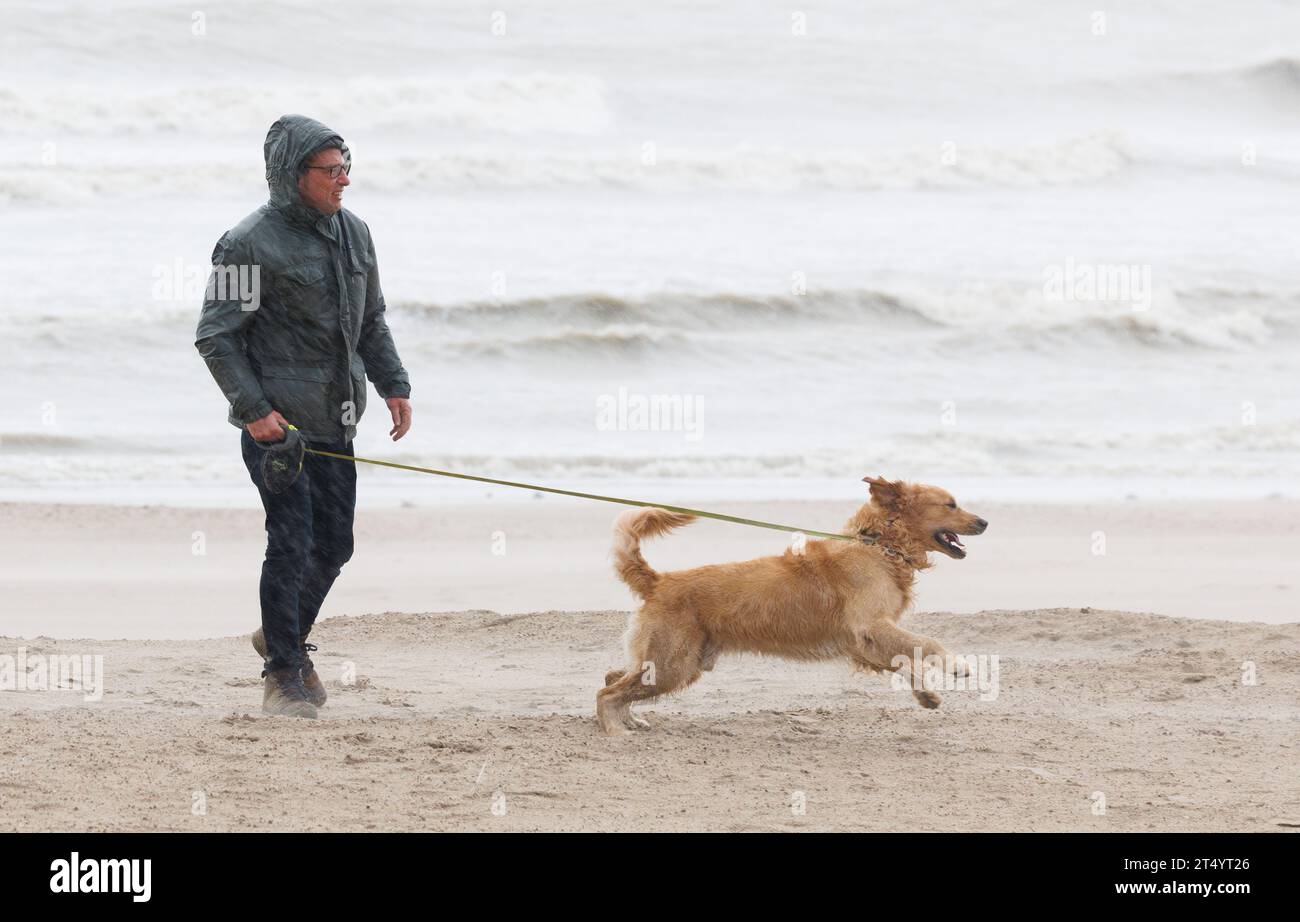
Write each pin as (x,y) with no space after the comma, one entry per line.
(953,504)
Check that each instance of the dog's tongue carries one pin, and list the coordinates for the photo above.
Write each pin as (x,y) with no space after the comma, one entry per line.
(952,537)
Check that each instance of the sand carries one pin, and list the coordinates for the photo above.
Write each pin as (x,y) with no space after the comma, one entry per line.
(478,720)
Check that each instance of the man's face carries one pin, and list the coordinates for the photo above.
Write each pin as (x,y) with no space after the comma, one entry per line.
(315,186)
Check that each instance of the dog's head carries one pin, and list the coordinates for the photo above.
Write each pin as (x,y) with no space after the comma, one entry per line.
(927,515)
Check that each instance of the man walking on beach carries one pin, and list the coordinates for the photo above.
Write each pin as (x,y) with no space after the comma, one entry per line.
(292,325)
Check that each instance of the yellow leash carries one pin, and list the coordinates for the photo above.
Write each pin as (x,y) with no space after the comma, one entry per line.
(596,496)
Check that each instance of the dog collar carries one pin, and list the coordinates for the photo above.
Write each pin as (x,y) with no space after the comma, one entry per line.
(873,538)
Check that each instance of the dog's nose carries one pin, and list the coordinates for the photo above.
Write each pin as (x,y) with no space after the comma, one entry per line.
(982,525)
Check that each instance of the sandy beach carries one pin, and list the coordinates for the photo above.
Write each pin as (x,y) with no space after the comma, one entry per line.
(479,721)
(462,682)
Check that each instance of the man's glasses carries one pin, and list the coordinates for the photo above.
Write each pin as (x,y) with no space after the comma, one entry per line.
(334,170)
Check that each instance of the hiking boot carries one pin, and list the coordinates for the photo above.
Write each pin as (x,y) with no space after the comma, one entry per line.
(284,695)
(310,678)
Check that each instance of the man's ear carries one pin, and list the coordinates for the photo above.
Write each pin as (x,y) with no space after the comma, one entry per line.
(885,493)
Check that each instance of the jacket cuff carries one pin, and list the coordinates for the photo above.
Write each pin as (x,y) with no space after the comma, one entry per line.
(260,410)
(395,389)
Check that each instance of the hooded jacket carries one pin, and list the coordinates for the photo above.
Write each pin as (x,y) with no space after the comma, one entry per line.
(314,327)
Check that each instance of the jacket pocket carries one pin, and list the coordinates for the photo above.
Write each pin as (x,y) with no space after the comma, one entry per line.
(298,372)
(304,290)
(302,393)
(304,273)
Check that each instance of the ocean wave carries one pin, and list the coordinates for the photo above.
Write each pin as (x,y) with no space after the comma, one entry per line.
(605,326)
(54,444)
(1185,117)
(720,312)
(1264,450)
(611,341)
(1273,81)
(752,168)
(1279,73)
(744,168)
(1154,329)
(1013,317)
(555,103)
(1019,316)
(37,442)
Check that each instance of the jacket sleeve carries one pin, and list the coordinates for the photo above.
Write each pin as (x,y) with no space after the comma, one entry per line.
(376,348)
(223,325)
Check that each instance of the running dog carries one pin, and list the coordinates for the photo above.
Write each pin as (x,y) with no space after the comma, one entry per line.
(833,599)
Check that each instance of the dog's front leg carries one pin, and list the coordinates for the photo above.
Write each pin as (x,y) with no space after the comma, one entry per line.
(899,641)
(897,650)
(870,653)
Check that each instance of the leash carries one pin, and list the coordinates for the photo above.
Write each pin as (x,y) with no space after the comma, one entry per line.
(867,539)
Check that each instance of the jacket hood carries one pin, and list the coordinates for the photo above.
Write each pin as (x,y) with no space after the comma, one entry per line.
(290,140)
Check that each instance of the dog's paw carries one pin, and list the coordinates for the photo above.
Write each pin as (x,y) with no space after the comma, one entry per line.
(636,723)
(611,724)
(927,699)
(613,676)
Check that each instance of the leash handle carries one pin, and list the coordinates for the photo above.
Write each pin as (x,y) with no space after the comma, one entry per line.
(284,426)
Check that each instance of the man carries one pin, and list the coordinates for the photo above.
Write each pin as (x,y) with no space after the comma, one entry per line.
(291,342)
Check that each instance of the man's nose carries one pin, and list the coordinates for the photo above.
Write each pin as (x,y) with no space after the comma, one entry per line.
(343,179)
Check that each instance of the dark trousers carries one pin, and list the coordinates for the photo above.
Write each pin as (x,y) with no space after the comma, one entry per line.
(308,540)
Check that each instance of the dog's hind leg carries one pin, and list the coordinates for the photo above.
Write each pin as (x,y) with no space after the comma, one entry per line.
(614,703)
(664,662)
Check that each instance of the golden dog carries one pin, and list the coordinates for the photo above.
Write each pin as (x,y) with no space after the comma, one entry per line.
(834,599)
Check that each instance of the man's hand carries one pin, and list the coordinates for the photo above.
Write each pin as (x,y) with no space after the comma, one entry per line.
(400,407)
(268,428)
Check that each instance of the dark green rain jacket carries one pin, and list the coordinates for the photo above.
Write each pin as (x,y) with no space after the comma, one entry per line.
(305,345)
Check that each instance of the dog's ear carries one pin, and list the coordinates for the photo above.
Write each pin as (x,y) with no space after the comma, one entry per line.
(885,493)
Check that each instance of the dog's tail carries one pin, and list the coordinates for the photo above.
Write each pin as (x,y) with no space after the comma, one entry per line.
(629,529)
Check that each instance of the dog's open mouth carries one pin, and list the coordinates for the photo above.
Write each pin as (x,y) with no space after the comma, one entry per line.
(950,543)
